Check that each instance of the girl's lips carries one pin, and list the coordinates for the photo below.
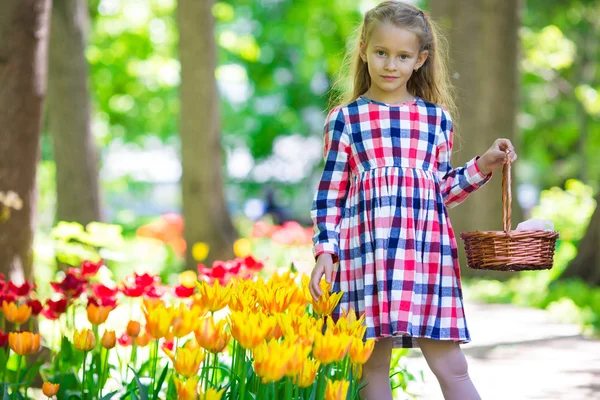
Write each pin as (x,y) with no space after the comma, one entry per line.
(390,78)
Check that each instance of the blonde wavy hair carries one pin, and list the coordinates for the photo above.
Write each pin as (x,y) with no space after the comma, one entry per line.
(431,82)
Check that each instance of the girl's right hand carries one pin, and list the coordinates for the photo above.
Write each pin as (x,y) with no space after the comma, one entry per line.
(324,266)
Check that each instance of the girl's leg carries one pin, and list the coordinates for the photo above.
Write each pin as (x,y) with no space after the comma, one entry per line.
(449,365)
(376,371)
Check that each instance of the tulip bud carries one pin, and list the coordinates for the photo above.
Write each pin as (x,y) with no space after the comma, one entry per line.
(50,389)
(109,339)
(133,329)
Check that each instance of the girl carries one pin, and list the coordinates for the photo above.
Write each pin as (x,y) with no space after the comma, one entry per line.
(380,209)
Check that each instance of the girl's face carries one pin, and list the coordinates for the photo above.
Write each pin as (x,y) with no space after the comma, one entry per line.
(392,54)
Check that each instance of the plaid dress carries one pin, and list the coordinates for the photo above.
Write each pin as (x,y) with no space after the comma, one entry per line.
(381,210)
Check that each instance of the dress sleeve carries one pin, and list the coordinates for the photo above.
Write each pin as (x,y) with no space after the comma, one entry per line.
(330,197)
(456,184)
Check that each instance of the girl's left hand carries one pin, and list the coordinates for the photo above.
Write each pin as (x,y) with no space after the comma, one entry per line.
(496,156)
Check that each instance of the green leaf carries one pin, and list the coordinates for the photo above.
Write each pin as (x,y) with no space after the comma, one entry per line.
(109,396)
(160,382)
(143,390)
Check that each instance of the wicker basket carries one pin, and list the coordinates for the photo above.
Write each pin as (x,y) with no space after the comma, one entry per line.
(509,250)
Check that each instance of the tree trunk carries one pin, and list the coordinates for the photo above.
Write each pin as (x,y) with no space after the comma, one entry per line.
(204,206)
(23,57)
(484,52)
(586,265)
(69,115)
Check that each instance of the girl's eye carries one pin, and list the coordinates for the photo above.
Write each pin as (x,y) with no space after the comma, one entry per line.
(380,53)
(403,57)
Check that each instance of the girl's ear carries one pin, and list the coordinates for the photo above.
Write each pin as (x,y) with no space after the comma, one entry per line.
(363,51)
(422,58)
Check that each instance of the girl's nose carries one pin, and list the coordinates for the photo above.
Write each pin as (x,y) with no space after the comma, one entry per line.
(390,65)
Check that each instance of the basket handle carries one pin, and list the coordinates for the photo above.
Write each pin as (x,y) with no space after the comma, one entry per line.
(506,195)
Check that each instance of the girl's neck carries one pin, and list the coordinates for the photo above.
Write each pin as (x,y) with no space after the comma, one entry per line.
(389,98)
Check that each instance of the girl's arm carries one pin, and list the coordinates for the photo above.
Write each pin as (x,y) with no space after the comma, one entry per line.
(330,197)
(456,184)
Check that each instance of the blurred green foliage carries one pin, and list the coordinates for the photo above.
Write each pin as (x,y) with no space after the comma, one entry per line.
(570,301)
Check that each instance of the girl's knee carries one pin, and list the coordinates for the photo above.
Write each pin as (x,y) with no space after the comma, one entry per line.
(445,359)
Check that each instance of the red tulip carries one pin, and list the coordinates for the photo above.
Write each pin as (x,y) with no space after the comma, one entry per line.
(124,340)
(103,301)
(102,291)
(8,297)
(183,292)
(89,268)
(71,286)
(57,307)
(3,339)
(36,307)
(20,290)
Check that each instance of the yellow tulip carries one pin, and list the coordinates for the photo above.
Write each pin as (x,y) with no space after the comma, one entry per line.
(276,299)
(109,339)
(210,336)
(185,320)
(348,324)
(186,362)
(361,351)
(270,360)
(211,394)
(327,302)
(213,298)
(133,329)
(308,373)
(24,343)
(188,279)
(97,314)
(16,315)
(250,329)
(50,389)
(187,390)
(297,353)
(304,326)
(242,247)
(200,251)
(84,340)
(243,300)
(337,390)
(158,320)
(329,348)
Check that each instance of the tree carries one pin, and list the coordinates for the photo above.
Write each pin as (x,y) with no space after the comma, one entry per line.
(204,206)
(69,115)
(484,50)
(23,50)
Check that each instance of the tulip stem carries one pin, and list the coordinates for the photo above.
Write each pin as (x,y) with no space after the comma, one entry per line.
(288,389)
(153,378)
(242,357)
(83,379)
(15,390)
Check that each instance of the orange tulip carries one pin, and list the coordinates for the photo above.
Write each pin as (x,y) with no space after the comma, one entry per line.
(143,339)
(186,362)
(97,314)
(109,339)
(337,390)
(50,389)
(187,390)
(133,329)
(16,315)
(24,343)
(84,340)
(361,351)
